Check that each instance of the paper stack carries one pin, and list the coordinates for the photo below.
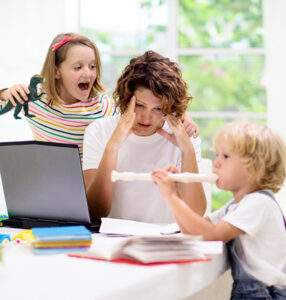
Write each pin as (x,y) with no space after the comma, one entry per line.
(60,239)
(153,249)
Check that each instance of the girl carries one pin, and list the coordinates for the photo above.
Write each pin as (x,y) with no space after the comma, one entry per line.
(251,163)
(72,87)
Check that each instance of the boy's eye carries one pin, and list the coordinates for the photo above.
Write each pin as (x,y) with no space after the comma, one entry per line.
(157,109)
(77,67)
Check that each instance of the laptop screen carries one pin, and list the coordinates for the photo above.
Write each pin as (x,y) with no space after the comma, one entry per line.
(43,180)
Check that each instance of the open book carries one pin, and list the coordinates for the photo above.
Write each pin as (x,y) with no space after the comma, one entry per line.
(150,249)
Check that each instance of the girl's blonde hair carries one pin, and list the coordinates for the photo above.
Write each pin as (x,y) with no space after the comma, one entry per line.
(263,151)
(56,56)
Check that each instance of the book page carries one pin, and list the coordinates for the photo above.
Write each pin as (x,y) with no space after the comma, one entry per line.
(127,227)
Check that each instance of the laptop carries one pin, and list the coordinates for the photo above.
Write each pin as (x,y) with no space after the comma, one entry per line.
(43,185)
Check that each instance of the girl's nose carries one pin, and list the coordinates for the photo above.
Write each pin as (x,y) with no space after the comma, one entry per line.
(87,71)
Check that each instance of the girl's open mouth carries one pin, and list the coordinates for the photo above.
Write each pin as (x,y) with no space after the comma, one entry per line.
(84,86)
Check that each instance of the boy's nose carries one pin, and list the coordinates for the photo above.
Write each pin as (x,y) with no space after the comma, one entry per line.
(216,163)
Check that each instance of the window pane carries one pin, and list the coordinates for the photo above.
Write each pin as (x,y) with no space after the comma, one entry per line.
(225,83)
(220,23)
(125,24)
(112,67)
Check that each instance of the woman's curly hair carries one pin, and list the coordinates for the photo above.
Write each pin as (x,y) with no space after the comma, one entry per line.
(158,74)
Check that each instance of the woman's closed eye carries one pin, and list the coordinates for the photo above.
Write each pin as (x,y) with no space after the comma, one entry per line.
(138,104)
(157,109)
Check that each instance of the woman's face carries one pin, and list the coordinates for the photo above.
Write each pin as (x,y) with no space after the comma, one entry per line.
(149,115)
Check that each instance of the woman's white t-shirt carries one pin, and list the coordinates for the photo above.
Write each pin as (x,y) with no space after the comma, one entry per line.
(136,200)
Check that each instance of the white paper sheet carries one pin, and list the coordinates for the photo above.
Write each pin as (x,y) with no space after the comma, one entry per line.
(127,227)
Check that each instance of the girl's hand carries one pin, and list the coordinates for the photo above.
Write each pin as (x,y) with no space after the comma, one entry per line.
(179,137)
(191,127)
(124,125)
(16,94)
(167,187)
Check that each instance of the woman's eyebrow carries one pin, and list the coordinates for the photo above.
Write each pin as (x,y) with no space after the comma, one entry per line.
(138,100)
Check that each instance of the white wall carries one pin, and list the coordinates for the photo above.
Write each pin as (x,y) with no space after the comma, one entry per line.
(275,79)
(27,29)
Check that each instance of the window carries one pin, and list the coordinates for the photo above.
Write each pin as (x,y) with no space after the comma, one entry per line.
(218,44)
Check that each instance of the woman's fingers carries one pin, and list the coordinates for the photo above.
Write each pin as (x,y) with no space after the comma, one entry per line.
(192,130)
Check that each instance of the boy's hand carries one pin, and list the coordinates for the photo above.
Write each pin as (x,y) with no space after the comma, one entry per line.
(124,125)
(16,93)
(167,187)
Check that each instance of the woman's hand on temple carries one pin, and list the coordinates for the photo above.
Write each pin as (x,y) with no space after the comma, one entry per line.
(179,136)
(124,125)
(191,127)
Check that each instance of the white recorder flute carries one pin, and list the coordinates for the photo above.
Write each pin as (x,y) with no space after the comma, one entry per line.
(178,177)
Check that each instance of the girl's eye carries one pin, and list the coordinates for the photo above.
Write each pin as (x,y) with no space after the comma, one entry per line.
(225,156)
(157,109)
(77,67)
(92,67)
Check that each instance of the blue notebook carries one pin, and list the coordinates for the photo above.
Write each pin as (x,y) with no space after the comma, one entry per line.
(61,233)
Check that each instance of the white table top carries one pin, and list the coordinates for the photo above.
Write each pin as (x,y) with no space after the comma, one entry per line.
(27,276)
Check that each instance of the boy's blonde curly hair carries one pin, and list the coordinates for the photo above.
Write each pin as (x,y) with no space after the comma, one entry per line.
(263,151)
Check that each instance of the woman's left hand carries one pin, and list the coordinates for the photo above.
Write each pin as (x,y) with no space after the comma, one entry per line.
(191,127)
(179,136)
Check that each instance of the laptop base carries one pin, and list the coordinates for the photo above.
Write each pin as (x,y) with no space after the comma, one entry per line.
(28,223)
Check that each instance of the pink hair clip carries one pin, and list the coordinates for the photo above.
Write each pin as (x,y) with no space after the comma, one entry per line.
(62,42)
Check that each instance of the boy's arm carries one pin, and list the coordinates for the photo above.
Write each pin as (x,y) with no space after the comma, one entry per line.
(192,193)
(192,223)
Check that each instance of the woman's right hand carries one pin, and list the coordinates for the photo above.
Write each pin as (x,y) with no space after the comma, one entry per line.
(124,125)
(17,93)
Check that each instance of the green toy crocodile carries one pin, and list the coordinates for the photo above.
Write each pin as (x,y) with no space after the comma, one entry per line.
(32,96)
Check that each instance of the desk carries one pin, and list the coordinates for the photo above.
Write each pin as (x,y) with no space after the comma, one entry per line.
(27,276)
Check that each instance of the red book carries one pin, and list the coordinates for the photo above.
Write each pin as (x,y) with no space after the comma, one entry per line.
(136,262)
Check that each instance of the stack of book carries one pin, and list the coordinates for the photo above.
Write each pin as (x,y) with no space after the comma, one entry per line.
(60,239)
(153,249)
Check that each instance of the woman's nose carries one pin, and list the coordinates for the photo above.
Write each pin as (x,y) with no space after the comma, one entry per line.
(147,115)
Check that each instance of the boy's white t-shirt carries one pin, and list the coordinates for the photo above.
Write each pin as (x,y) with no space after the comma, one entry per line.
(262,249)
(135,200)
